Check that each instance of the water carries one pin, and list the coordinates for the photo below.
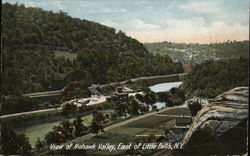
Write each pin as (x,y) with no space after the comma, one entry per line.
(163,87)
(159,105)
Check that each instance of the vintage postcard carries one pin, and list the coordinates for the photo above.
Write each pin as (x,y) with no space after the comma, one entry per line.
(124,77)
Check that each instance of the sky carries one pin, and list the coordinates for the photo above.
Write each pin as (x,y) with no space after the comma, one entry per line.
(182,21)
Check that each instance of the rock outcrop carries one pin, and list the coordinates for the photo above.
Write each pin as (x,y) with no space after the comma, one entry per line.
(220,128)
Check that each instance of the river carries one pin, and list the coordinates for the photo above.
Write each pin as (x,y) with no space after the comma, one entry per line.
(163,87)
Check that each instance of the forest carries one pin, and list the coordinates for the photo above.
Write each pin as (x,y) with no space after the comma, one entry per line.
(212,78)
(33,37)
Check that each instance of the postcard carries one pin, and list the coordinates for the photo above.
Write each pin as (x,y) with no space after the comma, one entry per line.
(124,77)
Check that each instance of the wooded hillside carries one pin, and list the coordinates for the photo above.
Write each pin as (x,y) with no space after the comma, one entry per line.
(212,78)
(32,38)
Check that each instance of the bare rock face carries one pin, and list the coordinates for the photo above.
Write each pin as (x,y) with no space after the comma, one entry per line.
(220,128)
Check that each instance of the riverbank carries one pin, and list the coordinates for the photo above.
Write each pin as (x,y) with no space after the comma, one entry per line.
(150,80)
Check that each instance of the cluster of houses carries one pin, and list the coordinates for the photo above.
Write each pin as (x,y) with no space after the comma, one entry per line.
(121,94)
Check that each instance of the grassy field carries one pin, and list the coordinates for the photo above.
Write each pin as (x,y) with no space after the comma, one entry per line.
(129,133)
(150,122)
(177,111)
(126,135)
(128,130)
(150,125)
(40,130)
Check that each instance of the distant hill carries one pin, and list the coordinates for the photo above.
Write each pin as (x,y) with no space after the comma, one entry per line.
(197,53)
(44,51)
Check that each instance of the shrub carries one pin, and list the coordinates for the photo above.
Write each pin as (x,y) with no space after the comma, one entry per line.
(194,107)
(13,143)
(69,108)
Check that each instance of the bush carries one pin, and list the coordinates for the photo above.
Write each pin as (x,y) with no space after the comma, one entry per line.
(194,108)
(69,108)
(13,143)
(18,104)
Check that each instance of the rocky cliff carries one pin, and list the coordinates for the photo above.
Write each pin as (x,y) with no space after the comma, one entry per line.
(220,128)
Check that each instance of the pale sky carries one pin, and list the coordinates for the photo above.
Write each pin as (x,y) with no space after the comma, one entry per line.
(189,21)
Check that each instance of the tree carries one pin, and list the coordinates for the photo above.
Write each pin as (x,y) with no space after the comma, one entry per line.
(121,109)
(154,107)
(143,108)
(79,127)
(98,117)
(60,133)
(163,96)
(13,143)
(194,107)
(178,93)
(55,136)
(139,97)
(150,97)
(67,129)
(95,127)
(69,108)
(134,107)
(18,104)
(76,89)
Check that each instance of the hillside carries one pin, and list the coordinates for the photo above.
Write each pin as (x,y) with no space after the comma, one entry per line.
(44,51)
(197,53)
(58,31)
(212,78)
